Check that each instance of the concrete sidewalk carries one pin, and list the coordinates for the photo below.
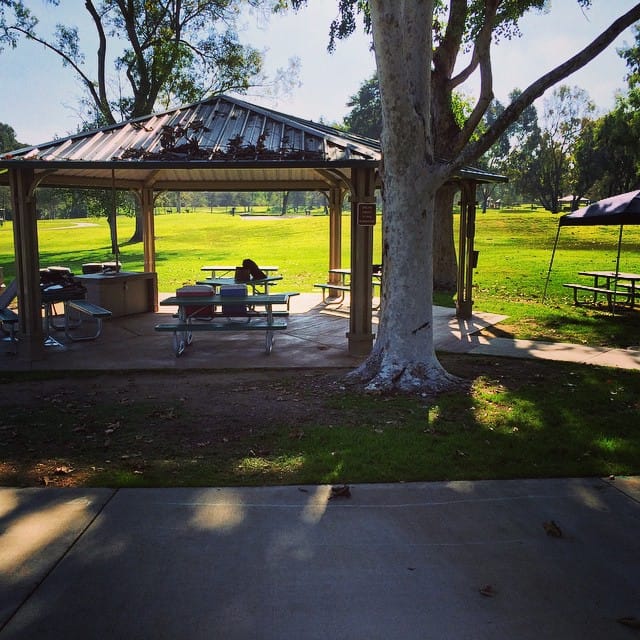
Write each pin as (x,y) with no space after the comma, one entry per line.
(445,560)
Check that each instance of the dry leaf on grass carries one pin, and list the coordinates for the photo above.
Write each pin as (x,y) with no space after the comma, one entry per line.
(630,621)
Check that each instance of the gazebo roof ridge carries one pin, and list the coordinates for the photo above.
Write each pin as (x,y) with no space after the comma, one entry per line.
(144,136)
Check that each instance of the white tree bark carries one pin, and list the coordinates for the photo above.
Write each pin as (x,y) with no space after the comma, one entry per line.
(403,357)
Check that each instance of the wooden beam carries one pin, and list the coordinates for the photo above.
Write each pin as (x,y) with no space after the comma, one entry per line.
(25,235)
(466,252)
(335,197)
(149,238)
(360,336)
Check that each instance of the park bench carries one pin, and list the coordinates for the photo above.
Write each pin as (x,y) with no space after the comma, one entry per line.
(9,319)
(182,330)
(73,312)
(610,294)
(327,289)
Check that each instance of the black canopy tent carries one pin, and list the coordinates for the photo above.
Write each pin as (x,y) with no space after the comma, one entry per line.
(620,210)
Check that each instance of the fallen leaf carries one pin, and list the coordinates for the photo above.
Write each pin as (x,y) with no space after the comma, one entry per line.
(63,470)
(552,529)
(488,590)
(342,491)
(629,621)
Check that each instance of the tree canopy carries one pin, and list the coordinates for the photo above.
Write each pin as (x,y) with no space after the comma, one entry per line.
(162,53)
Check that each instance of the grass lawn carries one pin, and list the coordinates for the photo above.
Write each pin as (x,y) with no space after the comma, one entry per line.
(210,428)
(515,249)
(517,418)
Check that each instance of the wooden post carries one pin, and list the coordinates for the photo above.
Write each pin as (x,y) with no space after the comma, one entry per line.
(466,252)
(25,235)
(148,237)
(360,333)
(336,195)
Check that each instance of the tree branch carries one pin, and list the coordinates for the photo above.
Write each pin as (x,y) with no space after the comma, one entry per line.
(83,77)
(102,102)
(482,51)
(536,89)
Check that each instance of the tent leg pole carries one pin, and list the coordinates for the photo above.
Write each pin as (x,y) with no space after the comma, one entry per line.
(553,253)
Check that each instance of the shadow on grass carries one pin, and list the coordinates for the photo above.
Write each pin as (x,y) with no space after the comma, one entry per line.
(521,419)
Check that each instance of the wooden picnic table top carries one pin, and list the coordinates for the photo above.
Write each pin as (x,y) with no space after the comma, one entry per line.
(228,267)
(262,299)
(620,275)
(219,282)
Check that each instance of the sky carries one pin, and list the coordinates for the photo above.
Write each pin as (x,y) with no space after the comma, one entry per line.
(39,97)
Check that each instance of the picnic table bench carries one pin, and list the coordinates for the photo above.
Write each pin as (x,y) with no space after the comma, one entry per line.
(73,309)
(609,294)
(9,318)
(240,321)
(612,285)
(343,285)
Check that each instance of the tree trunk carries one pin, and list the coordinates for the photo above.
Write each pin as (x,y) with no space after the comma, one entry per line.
(113,233)
(137,232)
(285,202)
(403,357)
(445,266)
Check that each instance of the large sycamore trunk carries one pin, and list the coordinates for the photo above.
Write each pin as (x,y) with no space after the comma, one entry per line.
(403,357)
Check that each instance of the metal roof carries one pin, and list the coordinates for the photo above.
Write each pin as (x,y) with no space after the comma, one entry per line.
(221,143)
(178,149)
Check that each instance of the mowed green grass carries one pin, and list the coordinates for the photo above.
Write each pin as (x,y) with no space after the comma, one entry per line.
(515,249)
(518,418)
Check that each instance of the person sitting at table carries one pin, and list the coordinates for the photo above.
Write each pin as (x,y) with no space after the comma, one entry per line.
(254,270)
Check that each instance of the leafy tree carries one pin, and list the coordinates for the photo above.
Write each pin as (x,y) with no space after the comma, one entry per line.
(544,166)
(8,141)
(614,149)
(588,163)
(416,44)
(615,143)
(166,53)
(365,117)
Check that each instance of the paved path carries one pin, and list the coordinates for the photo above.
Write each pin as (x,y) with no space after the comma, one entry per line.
(406,561)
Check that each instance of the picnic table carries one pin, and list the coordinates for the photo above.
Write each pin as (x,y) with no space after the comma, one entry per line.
(343,285)
(614,286)
(249,320)
(222,269)
(259,285)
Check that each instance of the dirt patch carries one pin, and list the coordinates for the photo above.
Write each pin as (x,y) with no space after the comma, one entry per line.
(54,430)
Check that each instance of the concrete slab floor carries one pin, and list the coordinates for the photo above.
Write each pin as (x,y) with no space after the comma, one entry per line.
(315,337)
(445,560)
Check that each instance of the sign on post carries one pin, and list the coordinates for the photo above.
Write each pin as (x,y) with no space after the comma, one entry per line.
(367,214)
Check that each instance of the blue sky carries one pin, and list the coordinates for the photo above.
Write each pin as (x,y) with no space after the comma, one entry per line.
(39,97)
